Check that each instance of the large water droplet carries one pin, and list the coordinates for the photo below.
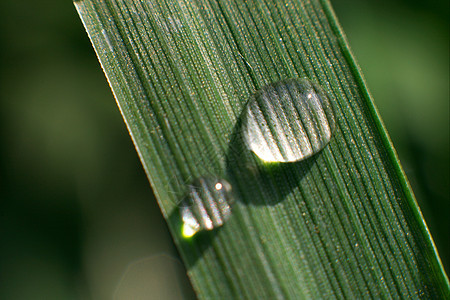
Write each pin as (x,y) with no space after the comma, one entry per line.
(207,205)
(288,121)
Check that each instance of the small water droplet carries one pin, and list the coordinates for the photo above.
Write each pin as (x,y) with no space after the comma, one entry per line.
(107,39)
(172,25)
(207,205)
(288,121)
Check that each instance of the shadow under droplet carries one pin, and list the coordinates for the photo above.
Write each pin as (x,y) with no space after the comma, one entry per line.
(256,182)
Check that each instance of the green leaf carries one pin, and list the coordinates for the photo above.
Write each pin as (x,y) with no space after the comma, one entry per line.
(343,223)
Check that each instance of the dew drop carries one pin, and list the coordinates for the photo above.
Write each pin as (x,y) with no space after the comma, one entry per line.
(207,205)
(288,121)
(107,39)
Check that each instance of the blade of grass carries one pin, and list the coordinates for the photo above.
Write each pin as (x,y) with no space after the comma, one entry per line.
(342,224)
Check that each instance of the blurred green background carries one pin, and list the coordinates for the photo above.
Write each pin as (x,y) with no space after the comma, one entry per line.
(77,215)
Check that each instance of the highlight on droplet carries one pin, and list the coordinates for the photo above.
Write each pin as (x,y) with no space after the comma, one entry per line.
(188,231)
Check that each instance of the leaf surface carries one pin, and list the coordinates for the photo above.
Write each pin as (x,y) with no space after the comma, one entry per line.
(343,223)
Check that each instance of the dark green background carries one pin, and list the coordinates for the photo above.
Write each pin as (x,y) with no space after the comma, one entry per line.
(76,209)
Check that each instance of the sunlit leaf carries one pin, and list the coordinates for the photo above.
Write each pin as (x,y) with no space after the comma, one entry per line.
(342,223)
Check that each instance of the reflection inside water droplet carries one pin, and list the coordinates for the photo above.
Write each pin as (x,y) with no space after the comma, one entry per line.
(207,205)
(288,121)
